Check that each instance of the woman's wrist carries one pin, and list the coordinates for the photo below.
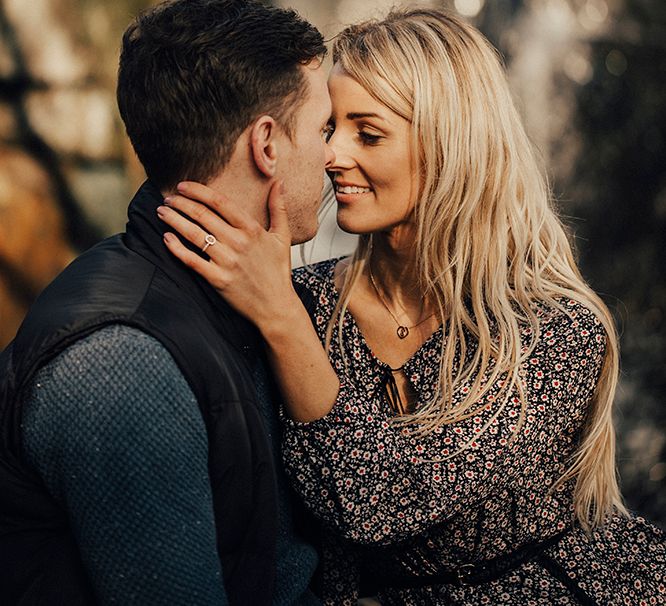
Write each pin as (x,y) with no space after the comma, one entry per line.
(284,321)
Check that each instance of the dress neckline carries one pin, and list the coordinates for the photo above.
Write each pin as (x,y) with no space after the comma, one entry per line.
(411,363)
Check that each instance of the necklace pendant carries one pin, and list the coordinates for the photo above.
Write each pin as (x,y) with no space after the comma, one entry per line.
(402,331)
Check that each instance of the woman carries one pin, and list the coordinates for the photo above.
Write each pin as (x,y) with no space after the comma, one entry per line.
(459,446)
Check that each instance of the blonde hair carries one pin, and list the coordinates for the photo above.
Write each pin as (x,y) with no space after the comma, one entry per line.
(488,243)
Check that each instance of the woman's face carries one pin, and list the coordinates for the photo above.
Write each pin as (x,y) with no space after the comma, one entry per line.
(373,173)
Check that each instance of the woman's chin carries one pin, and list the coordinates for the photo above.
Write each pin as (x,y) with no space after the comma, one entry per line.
(352,225)
(352,229)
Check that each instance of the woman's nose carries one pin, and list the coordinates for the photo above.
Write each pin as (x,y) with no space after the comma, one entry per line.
(341,156)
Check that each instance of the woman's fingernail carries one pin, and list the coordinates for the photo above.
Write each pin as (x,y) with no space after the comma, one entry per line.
(169,237)
(161,211)
(167,200)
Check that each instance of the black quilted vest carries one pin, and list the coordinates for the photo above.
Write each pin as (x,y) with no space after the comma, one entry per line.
(132,279)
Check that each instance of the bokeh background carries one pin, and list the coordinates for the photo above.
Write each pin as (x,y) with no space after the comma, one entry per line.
(588,76)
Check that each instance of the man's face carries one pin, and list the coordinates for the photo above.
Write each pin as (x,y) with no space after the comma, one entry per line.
(304,158)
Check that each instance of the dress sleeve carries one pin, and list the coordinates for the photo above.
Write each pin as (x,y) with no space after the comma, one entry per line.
(116,434)
(375,482)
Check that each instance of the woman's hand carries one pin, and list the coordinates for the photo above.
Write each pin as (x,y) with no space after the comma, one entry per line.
(251,268)
(248,265)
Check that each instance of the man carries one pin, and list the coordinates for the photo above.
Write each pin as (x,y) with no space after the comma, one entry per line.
(139,449)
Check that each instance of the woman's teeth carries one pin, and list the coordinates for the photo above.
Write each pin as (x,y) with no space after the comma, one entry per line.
(352,189)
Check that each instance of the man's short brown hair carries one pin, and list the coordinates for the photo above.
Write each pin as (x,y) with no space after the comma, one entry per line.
(194,74)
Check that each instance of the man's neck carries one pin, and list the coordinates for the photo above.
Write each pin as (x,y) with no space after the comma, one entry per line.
(244,191)
(241,190)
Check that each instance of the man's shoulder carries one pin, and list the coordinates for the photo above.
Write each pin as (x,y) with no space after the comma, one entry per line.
(110,381)
(105,284)
(112,357)
(115,343)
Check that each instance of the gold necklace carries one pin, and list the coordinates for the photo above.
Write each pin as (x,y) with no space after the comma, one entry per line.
(402,331)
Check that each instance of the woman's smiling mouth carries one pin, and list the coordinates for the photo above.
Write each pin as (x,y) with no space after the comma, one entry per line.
(351,189)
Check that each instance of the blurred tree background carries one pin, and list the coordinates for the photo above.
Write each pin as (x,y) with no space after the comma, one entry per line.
(588,76)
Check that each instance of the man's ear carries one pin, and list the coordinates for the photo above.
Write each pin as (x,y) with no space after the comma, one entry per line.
(264,145)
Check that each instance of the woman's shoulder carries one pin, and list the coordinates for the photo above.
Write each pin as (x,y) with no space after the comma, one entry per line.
(314,276)
(571,312)
(570,324)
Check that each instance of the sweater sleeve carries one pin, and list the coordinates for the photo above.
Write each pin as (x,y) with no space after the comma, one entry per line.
(374,481)
(115,432)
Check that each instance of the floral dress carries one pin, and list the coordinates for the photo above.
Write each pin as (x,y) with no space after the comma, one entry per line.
(395,506)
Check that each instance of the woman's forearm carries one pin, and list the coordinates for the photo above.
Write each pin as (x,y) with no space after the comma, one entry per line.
(308,382)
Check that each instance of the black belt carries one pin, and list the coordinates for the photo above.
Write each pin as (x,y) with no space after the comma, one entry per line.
(475,573)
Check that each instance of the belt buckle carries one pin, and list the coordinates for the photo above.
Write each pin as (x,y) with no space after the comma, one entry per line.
(464,572)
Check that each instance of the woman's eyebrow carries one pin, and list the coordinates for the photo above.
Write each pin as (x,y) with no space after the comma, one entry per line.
(357,115)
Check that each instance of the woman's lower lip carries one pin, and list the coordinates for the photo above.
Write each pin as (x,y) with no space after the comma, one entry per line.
(341,197)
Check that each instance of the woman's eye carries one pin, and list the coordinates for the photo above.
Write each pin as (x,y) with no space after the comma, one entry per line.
(368,138)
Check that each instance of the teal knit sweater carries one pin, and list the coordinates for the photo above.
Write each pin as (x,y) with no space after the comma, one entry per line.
(115,432)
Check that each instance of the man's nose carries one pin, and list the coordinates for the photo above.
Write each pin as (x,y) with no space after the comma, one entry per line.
(330,156)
